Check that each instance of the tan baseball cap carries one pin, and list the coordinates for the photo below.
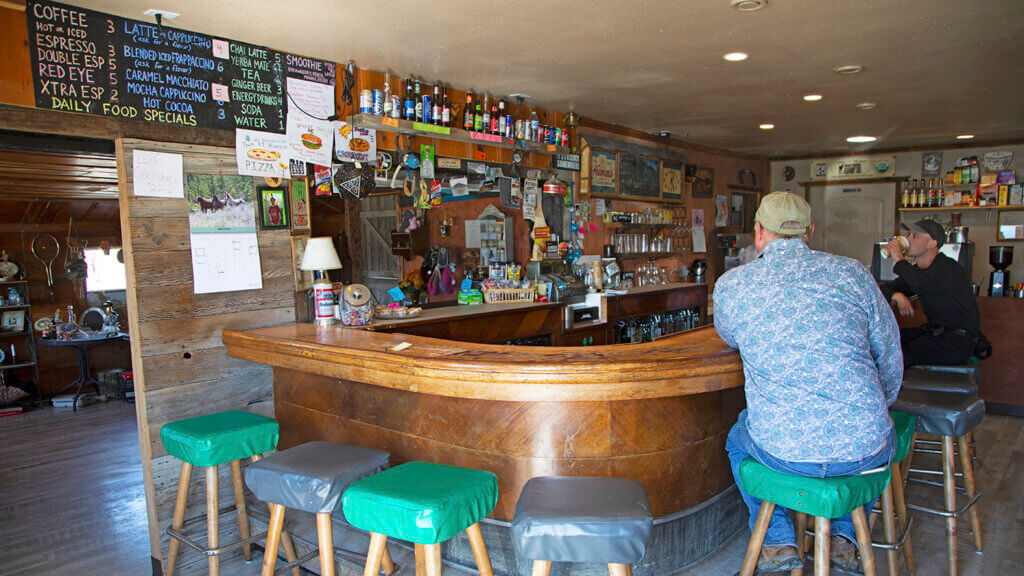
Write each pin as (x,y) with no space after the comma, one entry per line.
(784,213)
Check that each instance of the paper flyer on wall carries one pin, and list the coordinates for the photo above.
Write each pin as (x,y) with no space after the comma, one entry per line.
(309,140)
(222,233)
(358,144)
(157,174)
(262,153)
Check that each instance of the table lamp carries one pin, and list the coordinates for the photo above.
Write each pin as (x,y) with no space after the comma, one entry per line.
(320,256)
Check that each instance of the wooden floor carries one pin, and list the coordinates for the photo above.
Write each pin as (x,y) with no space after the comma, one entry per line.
(71,502)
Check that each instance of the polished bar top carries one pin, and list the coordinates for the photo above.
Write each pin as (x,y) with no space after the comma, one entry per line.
(687,363)
(457,312)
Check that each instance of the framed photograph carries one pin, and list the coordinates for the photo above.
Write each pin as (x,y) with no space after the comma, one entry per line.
(303,278)
(300,206)
(13,321)
(274,208)
(704,182)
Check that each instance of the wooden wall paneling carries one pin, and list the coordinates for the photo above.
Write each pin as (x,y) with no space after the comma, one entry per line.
(180,364)
(15,66)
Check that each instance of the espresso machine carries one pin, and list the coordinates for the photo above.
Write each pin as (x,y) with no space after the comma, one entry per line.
(1000,257)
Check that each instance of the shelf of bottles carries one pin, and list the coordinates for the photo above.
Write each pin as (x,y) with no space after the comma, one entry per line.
(544,340)
(652,326)
(413,128)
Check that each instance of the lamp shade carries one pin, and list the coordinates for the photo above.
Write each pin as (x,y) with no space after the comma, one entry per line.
(320,255)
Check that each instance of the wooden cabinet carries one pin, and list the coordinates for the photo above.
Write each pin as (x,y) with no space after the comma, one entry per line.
(17,344)
(596,335)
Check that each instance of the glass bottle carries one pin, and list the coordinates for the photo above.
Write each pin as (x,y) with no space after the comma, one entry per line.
(467,122)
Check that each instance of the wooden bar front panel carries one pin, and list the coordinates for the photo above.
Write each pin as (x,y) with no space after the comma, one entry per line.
(674,445)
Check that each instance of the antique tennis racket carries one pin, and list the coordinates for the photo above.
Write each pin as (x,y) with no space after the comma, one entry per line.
(46,249)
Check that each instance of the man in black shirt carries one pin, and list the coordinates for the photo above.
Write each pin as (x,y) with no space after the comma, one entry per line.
(942,285)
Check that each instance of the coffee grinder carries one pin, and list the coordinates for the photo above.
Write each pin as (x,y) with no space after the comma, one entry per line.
(1000,257)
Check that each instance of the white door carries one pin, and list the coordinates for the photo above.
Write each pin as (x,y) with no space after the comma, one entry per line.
(850,218)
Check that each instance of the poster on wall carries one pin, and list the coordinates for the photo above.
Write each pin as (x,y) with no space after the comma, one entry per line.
(261,154)
(603,172)
(639,176)
(704,182)
(853,167)
(157,174)
(721,210)
(931,164)
(355,144)
(222,233)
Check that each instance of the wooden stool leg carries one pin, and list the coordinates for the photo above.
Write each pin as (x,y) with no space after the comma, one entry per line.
(325,537)
(179,515)
(375,554)
(476,542)
(243,517)
(618,569)
(764,517)
(906,461)
(949,490)
(286,538)
(273,539)
(822,546)
(386,563)
(432,558)
(867,554)
(212,520)
(541,568)
(889,527)
(901,514)
(969,486)
(801,533)
(421,561)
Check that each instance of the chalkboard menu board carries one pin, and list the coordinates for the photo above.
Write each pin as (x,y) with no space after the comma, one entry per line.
(95,63)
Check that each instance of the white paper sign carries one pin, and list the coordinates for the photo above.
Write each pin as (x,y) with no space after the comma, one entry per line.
(157,174)
(359,144)
(225,262)
(261,153)
(310,98)
(699,245)
(309,139)
(599,207)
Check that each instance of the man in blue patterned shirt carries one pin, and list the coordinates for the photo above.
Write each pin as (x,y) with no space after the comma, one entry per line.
(822,362)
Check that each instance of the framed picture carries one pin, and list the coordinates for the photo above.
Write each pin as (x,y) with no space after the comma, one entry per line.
(303,278)
(704,182)
(274,208)
(13,321)
(300,206)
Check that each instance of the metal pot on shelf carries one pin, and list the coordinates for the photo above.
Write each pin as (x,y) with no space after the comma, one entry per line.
(957,235)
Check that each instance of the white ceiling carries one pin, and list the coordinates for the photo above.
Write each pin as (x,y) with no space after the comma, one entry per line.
(936,68)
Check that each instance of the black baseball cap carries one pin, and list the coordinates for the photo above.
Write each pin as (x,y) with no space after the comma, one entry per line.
(929,227)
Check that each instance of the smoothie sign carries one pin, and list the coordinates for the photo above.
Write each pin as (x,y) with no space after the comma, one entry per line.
(95,63)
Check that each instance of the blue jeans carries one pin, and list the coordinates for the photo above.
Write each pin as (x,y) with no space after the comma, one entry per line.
(780,530)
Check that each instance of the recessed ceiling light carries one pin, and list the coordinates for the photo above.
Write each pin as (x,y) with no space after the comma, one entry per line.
(735,56)
(812,97)
(848,69)
(748,5)
(860,139)
(766,126)
(519,96)
(965,137)
(867,106)
(163,14)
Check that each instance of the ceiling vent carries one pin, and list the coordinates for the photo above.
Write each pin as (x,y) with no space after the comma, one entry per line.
(748,5)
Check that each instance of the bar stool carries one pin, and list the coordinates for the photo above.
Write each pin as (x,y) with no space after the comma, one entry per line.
(950,416)
(956,379)
(311,477)
(211,440)
(426,504)
(823,498)
(581,519)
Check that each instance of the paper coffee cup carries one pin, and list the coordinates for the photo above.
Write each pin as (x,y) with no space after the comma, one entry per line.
(903,246)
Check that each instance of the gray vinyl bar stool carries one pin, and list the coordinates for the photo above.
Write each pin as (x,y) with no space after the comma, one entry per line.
(311,477)
(955,379)
(950,416)
(582,519)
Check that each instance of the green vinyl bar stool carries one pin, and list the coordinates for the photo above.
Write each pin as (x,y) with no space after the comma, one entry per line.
(425,504)
(209,441)
(823,498)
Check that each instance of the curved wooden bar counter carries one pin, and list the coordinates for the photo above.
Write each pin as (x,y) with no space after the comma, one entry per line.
(658,412)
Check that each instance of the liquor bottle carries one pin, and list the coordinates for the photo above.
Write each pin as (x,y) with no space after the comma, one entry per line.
(485,123)
(467,122)
(913,194)
(435,114)
(478,117)
(419,103)
(388,105)
(502,122)
(905,197)
(933,194)
(922,194)
(493,126)
(531,134)
(410,102)
(446,108)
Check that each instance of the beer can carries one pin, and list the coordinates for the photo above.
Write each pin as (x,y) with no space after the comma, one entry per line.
(519,130)
(366,102)
(509,126)
(378,102)
(428,109)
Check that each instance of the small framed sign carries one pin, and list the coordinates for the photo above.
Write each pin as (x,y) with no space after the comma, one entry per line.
(274,208)
(300,206)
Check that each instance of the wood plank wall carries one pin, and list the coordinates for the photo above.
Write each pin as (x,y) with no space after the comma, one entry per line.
(181,366)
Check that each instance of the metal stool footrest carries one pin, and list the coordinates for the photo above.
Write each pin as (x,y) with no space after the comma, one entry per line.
(355,558)
(180,535)
(901,539)
(946,513)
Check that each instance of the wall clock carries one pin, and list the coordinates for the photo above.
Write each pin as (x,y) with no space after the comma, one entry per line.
(788,173)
